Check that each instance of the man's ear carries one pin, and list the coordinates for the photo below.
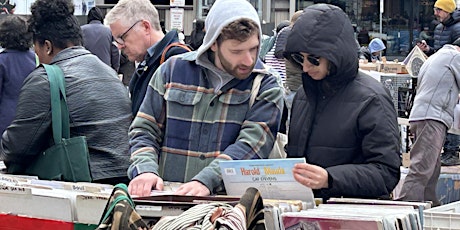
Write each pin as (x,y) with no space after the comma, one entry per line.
(146,26)
(214,47)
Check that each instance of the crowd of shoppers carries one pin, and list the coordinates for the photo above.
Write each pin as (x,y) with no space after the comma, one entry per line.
(184,112)
(98,104)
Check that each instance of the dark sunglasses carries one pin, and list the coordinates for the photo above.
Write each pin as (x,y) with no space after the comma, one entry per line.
(299,58)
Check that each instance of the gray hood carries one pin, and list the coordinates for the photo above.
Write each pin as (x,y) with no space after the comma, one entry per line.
(222,13)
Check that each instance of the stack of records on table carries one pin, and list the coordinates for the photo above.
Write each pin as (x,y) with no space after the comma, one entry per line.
(358,214)
(50,204)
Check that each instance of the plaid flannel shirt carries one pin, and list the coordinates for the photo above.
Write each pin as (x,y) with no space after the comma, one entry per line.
(184,127)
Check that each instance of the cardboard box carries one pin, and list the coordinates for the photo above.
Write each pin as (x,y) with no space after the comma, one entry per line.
(406,160)
(63,201)
(392,67)
(89,208)
(33,203)
(368,66)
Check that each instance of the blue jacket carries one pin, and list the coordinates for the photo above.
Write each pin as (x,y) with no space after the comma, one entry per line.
(446,32)
(14,68)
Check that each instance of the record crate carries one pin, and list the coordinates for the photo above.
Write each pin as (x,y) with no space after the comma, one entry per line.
(443,217)
(401,90)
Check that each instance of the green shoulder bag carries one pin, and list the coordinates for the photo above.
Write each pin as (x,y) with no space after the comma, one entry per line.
(68,158)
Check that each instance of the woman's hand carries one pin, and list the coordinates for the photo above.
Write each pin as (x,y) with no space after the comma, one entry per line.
(312,176)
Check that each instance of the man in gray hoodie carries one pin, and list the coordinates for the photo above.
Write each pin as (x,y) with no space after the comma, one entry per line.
(196,109)
(430,118)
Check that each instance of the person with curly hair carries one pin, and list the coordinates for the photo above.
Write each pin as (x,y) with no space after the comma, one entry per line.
(99,105)
(16,62)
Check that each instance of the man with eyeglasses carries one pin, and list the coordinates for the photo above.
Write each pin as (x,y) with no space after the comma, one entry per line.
(446,32)
(136,29)
(343,121)
(197,109)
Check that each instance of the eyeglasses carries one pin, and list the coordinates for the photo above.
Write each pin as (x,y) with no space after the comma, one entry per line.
(436,9)
(121,39)
(299,58)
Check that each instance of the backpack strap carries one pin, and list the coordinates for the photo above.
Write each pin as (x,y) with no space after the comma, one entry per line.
(255,88)
(178,44)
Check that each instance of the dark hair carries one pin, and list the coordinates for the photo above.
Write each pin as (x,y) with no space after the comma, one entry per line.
(282,25)
(95,14)
(240,30)
(53,20)
(14,34)
(199,24)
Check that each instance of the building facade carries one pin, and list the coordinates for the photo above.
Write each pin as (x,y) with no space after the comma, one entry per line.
(397,22)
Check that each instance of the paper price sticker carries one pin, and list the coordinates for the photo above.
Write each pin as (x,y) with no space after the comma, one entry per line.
(230,171)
